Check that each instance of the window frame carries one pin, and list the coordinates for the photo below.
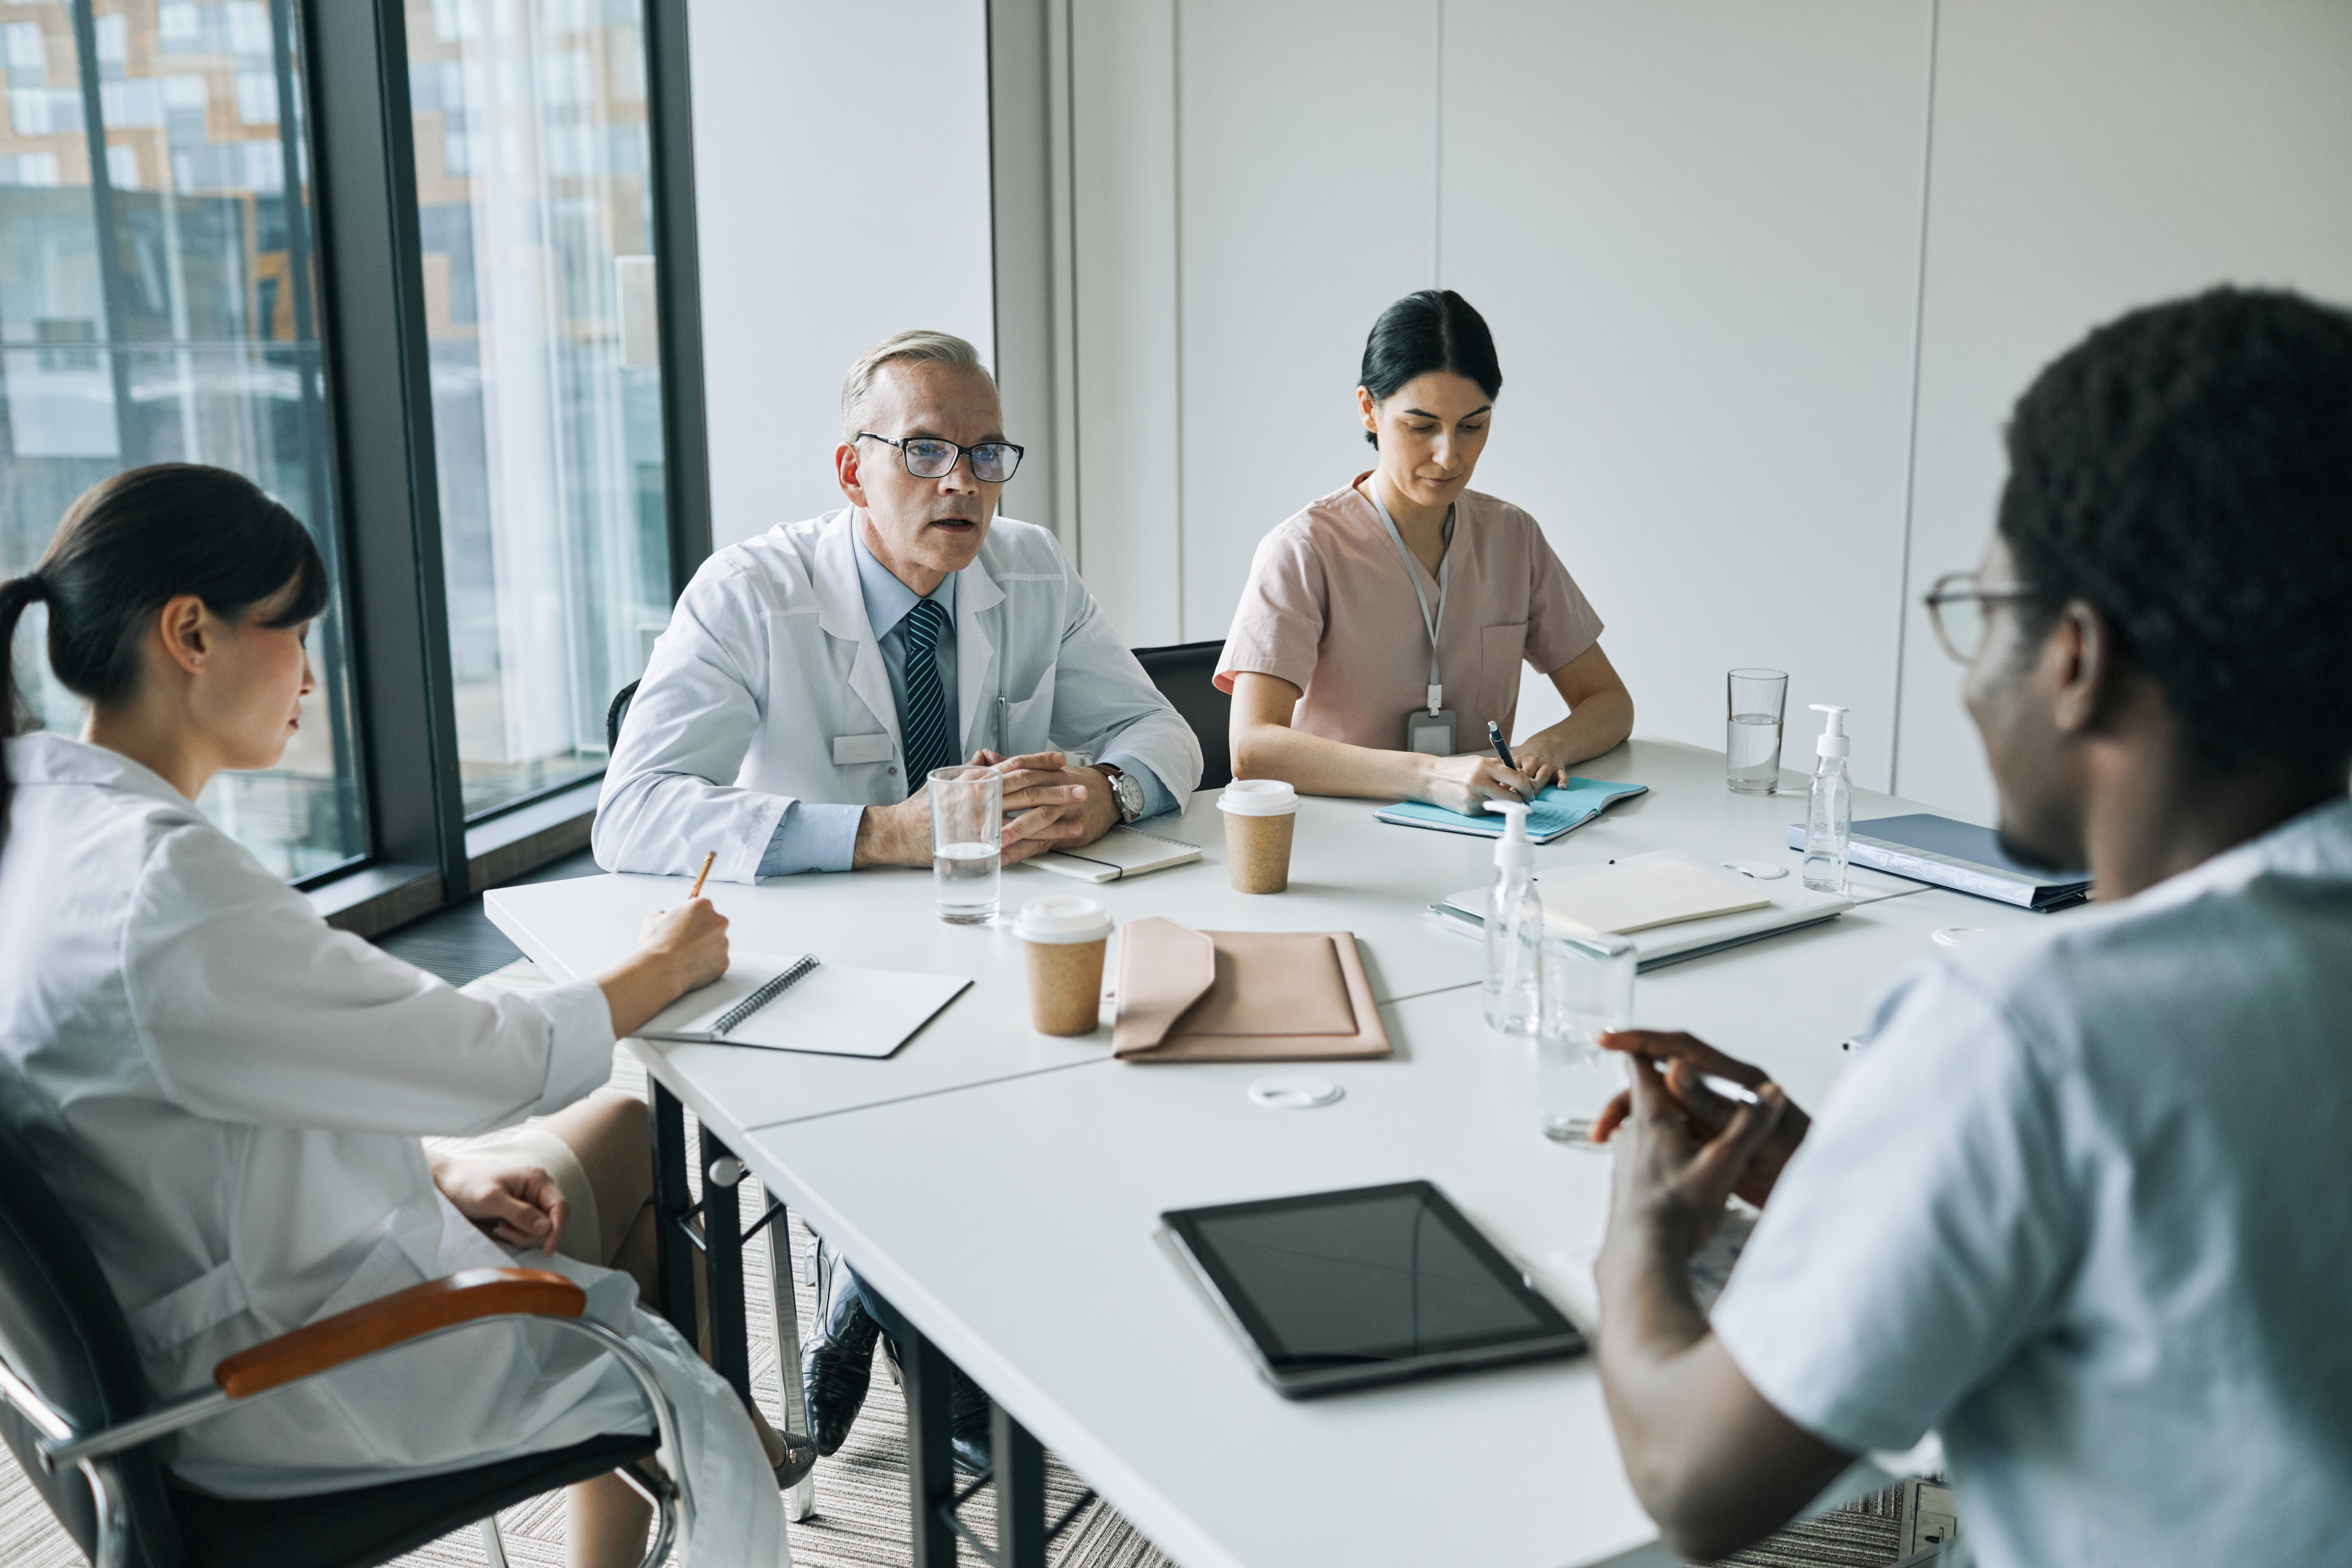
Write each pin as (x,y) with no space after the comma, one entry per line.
(424,853)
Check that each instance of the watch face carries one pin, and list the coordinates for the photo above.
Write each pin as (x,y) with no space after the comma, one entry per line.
(1131,797)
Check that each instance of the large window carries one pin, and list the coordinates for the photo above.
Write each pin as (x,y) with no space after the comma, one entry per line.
(158,304)
(534,194)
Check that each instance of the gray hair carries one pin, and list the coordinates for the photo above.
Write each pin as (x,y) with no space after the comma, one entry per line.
(918,347)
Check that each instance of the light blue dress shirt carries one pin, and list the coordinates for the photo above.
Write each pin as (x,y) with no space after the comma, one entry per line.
(816,837)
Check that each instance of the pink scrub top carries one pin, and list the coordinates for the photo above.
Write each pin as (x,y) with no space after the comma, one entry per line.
(1329,609)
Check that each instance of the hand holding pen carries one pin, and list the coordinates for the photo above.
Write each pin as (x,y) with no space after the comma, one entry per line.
(1503,753)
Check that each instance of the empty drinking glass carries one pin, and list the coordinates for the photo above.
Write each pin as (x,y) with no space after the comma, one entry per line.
(1587,990)
(967,841)
(1754,703)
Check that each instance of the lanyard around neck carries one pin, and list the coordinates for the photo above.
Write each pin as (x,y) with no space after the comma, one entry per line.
(1430,623)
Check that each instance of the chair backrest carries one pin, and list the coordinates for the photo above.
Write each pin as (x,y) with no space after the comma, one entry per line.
(1185,674)
(618,711)
(63,1332)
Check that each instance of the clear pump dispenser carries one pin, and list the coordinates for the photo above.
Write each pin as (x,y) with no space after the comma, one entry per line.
(1829,813)
(1515,930)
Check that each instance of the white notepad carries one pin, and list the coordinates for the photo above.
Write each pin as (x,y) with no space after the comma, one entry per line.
(803,1004)
(1765,908)
(1628,898)
(1121,852)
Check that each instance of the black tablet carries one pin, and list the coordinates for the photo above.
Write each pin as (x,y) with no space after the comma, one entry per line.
(1344,1290)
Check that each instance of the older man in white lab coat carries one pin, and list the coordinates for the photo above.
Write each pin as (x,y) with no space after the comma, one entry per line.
(812,677)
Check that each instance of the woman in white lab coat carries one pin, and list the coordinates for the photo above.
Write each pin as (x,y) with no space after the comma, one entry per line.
(229,1097)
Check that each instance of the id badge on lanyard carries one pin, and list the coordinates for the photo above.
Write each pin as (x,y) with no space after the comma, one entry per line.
(1428,729)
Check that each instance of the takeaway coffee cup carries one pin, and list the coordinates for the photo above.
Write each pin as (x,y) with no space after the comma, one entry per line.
(1259,816)
(1063,938)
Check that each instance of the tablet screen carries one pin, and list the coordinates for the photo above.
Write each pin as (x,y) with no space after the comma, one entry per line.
(1377,1274)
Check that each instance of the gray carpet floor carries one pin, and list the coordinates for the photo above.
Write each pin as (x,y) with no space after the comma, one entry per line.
(861,1518)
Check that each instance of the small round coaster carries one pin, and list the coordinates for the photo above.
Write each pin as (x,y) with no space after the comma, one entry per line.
(1762,870)
(1958,936)
(1293,1092)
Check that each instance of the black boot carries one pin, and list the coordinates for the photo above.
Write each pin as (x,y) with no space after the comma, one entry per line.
(835,1370)
(968,1434)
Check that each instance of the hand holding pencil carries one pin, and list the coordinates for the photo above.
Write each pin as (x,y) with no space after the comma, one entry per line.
(679,949)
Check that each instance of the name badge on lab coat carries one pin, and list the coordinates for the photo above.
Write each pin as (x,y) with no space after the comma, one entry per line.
(849,749)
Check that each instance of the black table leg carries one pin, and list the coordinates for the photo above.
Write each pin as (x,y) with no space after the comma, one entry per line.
(722,1251)
(1020,1533)
(673,1212)
(931,1465)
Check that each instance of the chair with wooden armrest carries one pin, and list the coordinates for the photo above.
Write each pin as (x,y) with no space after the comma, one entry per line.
(75,1408)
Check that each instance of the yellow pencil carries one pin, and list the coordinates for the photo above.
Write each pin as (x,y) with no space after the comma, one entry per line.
(700,877)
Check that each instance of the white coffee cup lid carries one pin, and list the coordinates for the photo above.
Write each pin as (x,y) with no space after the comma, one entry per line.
(1063,920)
(1258,798)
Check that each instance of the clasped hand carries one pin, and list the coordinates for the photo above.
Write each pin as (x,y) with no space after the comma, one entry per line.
(1684,1149)
(511,1201)
(1047,805)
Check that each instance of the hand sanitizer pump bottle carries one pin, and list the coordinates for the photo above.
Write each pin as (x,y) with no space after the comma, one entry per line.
(1515,930)
(1829,814)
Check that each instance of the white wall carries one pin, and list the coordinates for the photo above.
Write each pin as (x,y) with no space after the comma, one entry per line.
(842,195)
(1123,196)
(1695,231)
(2091,157)
(1698,229)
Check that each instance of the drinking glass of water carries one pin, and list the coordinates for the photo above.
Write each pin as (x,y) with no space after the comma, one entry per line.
(1755,700)
(967,841)
(1587,990)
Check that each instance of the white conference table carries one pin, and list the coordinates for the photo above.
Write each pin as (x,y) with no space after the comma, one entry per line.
(1003,1189)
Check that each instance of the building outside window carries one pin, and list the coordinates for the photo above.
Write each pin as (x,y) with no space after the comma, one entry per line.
(158,303)
(532,185)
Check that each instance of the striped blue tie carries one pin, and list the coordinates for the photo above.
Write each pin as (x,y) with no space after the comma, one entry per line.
(930,734)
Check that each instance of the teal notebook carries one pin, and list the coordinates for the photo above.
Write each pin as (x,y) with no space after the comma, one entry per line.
(1558,809)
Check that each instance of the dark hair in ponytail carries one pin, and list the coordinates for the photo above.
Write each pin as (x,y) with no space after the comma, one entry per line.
(129,545)
(1434,330)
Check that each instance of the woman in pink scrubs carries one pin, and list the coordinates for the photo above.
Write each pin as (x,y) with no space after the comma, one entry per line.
(1384,625)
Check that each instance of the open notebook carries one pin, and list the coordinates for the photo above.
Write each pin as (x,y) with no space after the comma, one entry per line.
(804,1004)
(1553,812)
(1121,852)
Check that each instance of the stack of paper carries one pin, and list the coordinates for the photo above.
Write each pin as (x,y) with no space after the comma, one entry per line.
(1633,897)
(1671,905)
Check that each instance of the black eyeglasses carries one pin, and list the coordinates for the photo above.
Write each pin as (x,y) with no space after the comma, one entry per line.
(1955,608)
(929,457)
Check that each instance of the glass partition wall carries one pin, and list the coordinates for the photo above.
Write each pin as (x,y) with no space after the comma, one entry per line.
(533,194)
(158,304)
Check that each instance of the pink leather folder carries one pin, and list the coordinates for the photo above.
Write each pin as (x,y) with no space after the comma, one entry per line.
(1188,996)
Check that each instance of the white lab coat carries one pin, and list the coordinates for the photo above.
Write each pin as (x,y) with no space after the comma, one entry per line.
(227,1096)
(769,687)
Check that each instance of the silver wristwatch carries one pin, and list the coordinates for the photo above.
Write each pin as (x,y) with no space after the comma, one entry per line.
(1124,790)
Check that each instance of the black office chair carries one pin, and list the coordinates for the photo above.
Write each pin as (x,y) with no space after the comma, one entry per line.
(616,713)
(1184,674)
(75,1408)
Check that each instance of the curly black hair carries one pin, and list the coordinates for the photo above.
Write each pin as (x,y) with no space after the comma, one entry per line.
(2187,469)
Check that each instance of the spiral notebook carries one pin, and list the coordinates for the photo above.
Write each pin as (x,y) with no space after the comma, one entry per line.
(805,1005)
